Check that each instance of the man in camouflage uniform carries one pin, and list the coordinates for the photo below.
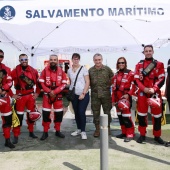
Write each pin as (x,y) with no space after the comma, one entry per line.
(100,82)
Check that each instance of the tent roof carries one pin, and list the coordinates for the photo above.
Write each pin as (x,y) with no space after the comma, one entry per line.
(40,35)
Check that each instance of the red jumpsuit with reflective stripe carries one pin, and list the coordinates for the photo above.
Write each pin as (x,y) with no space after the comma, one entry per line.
(56,81)
(5,107)
(154,80)
(123,83)
(26,100)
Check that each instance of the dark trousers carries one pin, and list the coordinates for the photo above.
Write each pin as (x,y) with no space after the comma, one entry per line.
(79,107)
(169,104)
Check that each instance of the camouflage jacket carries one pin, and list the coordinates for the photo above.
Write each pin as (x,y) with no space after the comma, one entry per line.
(100,79)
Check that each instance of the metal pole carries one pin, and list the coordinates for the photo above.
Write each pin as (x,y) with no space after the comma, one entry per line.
(104,142)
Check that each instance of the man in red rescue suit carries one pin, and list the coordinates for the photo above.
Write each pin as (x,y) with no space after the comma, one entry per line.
(5,107)
(53,80)
(122,88)
(25,78)
(150,77)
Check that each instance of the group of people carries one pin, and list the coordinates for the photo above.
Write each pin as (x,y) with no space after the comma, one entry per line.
(145,82)
(25,78)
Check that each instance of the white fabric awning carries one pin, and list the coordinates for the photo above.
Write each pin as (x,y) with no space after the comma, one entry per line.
(43,27)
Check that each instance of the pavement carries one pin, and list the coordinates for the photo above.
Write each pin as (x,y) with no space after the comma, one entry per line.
(73,153)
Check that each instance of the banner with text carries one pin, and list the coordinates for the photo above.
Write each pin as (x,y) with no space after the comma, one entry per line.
(24,12)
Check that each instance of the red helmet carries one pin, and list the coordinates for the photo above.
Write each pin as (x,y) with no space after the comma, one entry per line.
(2,101)
(34,116)
(154,102)
(123,104)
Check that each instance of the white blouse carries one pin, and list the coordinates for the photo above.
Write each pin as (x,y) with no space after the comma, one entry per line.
(80,83)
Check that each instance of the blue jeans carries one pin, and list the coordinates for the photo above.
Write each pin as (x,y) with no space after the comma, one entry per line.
(79,107)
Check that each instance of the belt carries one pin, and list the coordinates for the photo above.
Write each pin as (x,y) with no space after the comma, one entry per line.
(25,94)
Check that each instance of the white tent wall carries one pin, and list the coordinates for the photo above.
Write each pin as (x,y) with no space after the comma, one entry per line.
(107,26)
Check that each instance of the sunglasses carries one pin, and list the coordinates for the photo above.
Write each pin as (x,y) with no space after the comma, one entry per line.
(121,62)
(23,59)
(1,56)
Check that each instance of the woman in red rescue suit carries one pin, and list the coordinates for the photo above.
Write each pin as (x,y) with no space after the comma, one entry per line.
(53,80)
(150,77)
(25,78)
(122,88)
(5,107)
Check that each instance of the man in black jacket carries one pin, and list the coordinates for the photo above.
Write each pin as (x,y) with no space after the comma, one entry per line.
(167,90)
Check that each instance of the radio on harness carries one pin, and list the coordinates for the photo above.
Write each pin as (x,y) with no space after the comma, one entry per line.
(30,83)
(149,68)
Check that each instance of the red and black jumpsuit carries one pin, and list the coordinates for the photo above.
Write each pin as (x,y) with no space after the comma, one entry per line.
(56,81)
(5,107)
(25,92)
(155,79)
(123,83)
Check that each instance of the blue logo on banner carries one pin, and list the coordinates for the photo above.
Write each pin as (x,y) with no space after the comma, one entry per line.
(7,12)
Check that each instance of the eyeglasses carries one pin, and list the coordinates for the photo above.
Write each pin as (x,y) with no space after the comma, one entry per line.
(121,62)
(23,59)
(1,56)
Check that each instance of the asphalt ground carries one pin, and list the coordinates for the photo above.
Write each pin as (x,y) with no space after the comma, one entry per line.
(73,153)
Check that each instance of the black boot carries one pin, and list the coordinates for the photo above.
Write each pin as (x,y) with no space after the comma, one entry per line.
(15,140)
(121,136)
(128,139)
(9,144)
(167,144)
(44,136)
(141,139)
(59,134)
(32,135)
(159,140)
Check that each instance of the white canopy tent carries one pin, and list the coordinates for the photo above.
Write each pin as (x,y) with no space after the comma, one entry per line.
(41,27)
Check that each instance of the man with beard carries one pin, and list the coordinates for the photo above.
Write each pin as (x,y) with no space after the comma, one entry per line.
(25,78)
(53,80)
(5,108)
(150,77)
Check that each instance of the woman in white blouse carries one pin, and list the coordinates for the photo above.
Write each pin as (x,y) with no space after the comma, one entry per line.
(81,100)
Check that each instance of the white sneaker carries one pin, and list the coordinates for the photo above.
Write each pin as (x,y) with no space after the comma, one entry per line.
(83,135)
(76,133)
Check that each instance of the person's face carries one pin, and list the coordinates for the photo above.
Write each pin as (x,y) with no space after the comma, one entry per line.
(1,56)
(98,61)
(75,61)
(23,60)
(53,60)
(148,52)
(121,64)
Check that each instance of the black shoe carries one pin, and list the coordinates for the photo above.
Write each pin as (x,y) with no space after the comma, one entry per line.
(159,140)
(167,144)
(44,136)
(141,139)
(9,144)
(128,139)
(32,135)
(15,140)
(121,136)
(59,134)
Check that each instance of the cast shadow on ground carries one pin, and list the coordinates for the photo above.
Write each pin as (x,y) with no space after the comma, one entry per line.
(138,154)
(71,166)
(73,143)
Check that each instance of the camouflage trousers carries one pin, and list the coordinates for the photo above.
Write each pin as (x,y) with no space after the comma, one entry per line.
(96,103)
